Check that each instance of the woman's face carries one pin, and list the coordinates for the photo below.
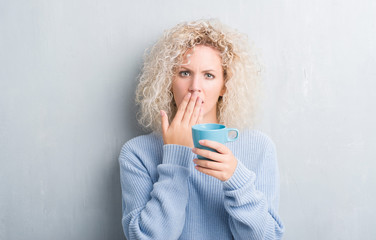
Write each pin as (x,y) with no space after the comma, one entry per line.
(201,72)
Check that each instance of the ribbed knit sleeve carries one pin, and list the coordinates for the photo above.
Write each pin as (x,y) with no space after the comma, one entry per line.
(252,201)
(154,210)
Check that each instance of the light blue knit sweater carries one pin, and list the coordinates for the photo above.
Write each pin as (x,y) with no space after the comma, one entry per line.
(165,197)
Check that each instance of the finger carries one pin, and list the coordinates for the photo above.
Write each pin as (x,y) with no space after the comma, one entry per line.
(215,145)
(208,164)
(209,154)
(196,112)
(189,110)
(164,120)
(181,110)
(199,120)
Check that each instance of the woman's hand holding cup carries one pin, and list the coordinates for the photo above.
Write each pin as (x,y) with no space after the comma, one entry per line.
(180,130)
(223,162)
(214,158)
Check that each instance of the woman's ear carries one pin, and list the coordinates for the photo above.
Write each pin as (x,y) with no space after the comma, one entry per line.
(223,91)
(224,85)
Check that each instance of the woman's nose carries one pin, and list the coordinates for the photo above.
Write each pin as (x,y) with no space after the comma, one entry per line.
(195,85)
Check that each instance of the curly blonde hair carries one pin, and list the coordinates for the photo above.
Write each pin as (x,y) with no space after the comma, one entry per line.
(240,66)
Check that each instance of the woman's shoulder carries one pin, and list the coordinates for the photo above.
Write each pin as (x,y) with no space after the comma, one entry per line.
(256,134)
(256,148)
(256,138)
(143,145)
(143,139)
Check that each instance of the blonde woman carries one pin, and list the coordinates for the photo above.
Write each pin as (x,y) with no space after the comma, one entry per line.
(199,72)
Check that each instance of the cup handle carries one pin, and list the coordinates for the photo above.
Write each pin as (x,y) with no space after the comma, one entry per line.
(237,134)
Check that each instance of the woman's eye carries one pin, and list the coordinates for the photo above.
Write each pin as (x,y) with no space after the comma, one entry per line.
(209,75)
(184,73)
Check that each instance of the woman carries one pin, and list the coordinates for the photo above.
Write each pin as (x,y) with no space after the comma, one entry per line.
(199,72)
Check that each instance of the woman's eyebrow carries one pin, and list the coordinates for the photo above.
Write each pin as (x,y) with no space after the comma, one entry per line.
(208,70)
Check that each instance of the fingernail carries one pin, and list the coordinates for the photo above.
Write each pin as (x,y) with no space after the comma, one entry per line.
(161,113)
(201,141)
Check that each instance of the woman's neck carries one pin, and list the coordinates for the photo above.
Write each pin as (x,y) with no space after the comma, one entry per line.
(209,119)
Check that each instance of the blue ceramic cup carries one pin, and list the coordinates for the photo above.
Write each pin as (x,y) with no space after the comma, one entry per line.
(214,132)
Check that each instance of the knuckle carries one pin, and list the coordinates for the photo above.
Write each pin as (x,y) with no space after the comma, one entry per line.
(190,108)
(206,164)
(223,175)
(181,108)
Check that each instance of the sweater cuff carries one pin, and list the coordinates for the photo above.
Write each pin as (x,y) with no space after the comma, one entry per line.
(240,177)
(177,154)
